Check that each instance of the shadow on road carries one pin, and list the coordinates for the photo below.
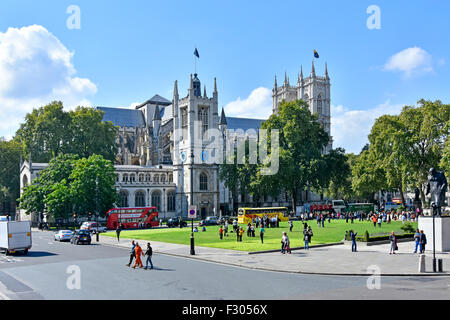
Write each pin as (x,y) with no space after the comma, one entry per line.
(37,254)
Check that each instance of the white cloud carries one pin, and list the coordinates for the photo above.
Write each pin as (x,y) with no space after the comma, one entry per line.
(258,105)
(411,61)
(350,128)
(35,69)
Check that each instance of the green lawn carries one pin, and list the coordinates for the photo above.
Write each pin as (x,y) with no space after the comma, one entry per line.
(333,232)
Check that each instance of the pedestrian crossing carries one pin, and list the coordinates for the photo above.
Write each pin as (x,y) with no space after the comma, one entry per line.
(8,259)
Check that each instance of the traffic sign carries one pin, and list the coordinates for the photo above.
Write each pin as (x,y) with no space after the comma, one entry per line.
(192,212)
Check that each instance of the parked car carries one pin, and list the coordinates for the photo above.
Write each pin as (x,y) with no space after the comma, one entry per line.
(209,221)
(92,227)
(171,223)
(226,218)
(63,235)
(81,236)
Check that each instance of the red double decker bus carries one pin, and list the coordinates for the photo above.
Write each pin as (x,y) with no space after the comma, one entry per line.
(132,218)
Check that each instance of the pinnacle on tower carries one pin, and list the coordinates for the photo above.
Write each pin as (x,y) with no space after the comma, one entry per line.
(326,71)
(275,86)
(286,81)
(215,86)
(191,85)
(204,91)
(223,119)
(313,70)
(175,89)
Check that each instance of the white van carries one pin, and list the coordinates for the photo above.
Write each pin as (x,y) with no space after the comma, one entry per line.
(15,236)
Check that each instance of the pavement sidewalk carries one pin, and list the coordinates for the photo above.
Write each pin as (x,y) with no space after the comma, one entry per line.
(332,260)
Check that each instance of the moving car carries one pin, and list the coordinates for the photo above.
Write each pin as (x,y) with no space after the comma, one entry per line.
(171,223)
(63,235)
(92,227)
(81,236)
(209,221)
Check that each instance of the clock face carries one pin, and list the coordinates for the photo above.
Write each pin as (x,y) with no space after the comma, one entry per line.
(183,156)
(205,155)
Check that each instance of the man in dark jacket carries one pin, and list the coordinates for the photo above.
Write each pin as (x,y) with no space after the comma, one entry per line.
(423,241)
(132,253)
(353,237)
(148,253)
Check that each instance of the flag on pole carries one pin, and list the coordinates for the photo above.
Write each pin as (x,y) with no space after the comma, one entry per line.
(316,54)
(196,53)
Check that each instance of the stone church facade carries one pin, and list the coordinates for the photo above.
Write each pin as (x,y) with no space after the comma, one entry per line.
(164,146)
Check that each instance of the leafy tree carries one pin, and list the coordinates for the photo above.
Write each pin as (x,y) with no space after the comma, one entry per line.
(93,185)
(10,153)
(301,143)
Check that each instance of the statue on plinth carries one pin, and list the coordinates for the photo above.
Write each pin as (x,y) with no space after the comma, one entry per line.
(437,186)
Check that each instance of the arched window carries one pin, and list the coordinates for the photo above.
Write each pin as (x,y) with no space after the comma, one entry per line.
(203,182)
(156,178)
(171,201)
(132,178)
(156,199)
(203,118)
(139,199)
(25,181)
(141,177)
(148,177)
(163,178)
(319,105)
(170,178)
(125,178)
(123,199)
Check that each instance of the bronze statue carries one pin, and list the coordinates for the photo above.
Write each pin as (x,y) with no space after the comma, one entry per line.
(437,186)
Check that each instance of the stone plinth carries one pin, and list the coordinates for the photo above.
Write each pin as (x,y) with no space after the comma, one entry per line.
(442,231)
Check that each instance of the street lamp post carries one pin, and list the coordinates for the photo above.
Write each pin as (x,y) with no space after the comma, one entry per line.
(433,212)
(96,208)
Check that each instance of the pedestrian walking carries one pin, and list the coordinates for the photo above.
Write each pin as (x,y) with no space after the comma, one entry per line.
(379,221)
(346,218)
(261,234)
(225,229)
(132,253)
(353,237)
(393,240)
(322,219)
(306,238)
(423,241)
(291,225)
(252,229)
(148,253)
(221,233)
(352,217)
(118,230)
(374,220)
(318,220)
(417,240)
(139,253)
(285,245)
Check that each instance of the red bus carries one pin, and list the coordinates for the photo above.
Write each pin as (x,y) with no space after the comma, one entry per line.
(132,218)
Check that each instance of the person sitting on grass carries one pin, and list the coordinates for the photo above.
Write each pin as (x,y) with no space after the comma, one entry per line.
(203,229)
(195,229)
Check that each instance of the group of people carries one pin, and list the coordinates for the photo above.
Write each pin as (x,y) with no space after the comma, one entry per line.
(136,253)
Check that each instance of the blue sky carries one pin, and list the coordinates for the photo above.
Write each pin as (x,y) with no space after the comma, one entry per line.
(125,52)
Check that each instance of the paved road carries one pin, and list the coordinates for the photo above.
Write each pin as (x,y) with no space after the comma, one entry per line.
(43,274)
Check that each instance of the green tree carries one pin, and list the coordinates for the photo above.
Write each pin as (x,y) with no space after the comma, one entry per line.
(10,153)
(301,143)
(93,185)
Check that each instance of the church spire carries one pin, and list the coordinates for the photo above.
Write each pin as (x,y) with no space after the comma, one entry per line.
(223,119)
(313,70)
(204,91)
(286,81)
(326,71)
(275,86)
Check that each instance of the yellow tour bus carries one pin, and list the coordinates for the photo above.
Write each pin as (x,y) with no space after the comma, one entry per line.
(245,215)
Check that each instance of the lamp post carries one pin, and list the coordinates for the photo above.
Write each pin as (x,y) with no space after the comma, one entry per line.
(96,208)
(433,212)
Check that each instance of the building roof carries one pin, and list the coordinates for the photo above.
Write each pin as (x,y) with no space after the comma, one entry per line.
(123,117)
(243,123)
(157,99)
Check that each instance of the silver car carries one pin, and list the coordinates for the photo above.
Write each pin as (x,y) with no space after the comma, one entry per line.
(63,235)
